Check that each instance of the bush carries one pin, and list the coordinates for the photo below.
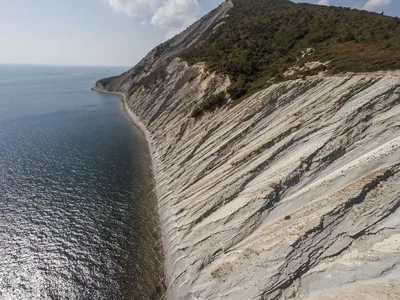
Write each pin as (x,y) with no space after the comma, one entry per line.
(210,104)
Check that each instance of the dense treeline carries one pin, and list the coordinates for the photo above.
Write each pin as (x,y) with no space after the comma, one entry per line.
(262,38)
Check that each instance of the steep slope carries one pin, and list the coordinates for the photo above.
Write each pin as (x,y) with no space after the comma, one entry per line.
(261,39)
(292,193)
(151,68)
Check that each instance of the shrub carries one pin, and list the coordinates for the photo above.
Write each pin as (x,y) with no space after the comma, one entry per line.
(210,104)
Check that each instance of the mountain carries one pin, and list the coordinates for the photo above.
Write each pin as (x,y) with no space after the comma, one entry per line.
(274,130)
(262,39)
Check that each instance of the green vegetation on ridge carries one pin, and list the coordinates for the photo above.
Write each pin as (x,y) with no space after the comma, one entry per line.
(261,39)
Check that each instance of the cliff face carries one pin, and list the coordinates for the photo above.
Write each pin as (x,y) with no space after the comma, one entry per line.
(152,66)
(291,194)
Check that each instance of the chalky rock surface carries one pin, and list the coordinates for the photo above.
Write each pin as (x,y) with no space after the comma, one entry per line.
(293,193)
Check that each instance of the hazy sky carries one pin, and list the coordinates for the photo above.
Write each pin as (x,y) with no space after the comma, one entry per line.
(108,32)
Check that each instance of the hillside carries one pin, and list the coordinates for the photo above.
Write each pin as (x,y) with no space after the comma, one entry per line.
(293,192)
(261,39)
(261,42)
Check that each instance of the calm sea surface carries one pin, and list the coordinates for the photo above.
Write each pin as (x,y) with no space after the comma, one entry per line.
(77,217)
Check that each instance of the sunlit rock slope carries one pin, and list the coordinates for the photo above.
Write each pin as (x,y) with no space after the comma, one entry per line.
(293,193)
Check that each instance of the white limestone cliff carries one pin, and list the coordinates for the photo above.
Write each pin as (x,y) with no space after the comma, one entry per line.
(291,194)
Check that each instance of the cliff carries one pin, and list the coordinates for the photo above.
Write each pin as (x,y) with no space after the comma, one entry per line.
(291,193)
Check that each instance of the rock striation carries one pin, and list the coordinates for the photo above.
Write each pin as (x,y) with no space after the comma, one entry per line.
(293,193)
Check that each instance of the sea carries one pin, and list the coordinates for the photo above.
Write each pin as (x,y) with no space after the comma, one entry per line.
(78,215)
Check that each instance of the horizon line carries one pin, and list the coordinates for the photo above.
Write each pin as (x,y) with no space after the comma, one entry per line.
(62,65)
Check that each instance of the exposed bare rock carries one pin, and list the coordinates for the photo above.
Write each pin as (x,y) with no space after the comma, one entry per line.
(153,64)
(307,67)
(292,194)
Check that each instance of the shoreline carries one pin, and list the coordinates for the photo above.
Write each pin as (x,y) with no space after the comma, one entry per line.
(137,122)
(150,151)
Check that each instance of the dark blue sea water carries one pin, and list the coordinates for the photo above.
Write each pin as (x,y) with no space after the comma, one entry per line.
(77,218)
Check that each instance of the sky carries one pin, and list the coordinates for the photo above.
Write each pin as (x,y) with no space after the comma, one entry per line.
(109,32)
